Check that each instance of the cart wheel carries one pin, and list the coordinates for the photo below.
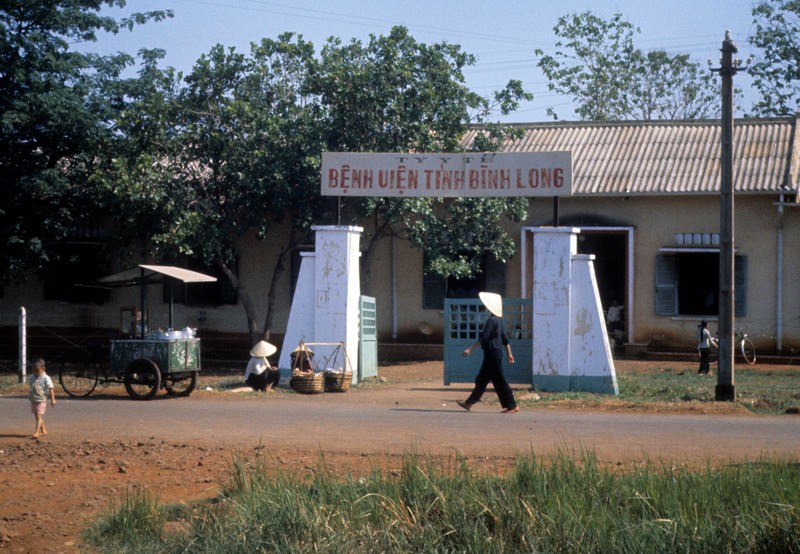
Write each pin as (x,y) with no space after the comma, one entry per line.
(78,379)
(142,379)
(180,384)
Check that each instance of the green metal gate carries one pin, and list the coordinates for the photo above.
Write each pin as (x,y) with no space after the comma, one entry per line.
(367,338)
(463,320)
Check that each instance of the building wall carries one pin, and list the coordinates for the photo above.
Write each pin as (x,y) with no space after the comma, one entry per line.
(655,220)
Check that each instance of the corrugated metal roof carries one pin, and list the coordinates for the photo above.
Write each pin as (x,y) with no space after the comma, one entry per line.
(667,157)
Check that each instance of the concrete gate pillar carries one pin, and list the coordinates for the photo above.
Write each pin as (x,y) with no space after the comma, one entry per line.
(571,350)
(326,298)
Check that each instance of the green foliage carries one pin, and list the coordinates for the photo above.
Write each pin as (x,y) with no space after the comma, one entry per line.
(395,94)
(565,503)
(455,233)
(672,87)
(597,64)
(57,111)
(776,70)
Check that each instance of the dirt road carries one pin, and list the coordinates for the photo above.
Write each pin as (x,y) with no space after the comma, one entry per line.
(97,447)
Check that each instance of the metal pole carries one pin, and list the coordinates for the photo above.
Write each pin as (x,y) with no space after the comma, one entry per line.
(555,211)
(394,286)
(143,301)
(779,281)
(23,344)
(171,301)
(725,389)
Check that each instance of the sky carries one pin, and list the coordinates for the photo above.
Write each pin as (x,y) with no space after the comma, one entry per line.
(503,35)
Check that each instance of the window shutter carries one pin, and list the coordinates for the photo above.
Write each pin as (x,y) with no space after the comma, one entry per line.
(433,291)
(740,285)
(666,285)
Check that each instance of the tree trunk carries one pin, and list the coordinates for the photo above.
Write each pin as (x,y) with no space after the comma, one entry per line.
(244,298)
(368,255)
(277,271)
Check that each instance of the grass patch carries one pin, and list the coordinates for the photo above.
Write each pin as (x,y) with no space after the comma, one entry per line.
(760,391)
(134,523)
(559,504)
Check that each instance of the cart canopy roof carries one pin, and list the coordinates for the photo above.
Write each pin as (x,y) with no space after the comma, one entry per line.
(154,274)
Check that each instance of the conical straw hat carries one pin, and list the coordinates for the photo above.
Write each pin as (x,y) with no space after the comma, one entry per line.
(303,348)
(263,349)
(493,302)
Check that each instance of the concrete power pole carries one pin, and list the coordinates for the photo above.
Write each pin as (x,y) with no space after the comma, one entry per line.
(725,389)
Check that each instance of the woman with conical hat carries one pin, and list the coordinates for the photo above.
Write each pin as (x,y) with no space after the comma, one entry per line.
(493,341)
(259,375)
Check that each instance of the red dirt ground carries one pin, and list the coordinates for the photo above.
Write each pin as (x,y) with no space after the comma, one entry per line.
(53,488)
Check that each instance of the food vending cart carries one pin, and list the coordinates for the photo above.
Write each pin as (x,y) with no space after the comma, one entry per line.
(151,360)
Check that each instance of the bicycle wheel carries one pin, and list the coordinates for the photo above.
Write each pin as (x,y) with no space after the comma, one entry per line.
(142,379)
(78,379)
(180,384)
(748,352)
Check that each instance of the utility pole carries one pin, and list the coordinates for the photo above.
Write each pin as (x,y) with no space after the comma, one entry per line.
(725,389)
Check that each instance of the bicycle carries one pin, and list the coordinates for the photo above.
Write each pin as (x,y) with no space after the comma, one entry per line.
(744,346)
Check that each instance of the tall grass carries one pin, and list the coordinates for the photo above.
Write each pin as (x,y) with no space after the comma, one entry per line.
(561,504)
(135,523)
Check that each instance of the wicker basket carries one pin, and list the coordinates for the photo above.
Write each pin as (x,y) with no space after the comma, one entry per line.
(338,381)
(308,383)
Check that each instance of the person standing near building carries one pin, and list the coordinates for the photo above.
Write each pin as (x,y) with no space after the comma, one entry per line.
(614,321)
(493,341)
(704,347)
(40,387)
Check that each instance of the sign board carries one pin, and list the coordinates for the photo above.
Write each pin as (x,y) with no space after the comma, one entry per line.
(478,174)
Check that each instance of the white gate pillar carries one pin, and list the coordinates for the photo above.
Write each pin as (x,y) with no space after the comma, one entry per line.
(553,248)
(570,342)
(338,288)
(326,299)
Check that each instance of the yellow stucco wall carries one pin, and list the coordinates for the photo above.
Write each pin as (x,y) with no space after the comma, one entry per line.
(655,221)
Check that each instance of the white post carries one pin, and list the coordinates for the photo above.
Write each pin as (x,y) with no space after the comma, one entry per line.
(553,249)
(337,290)
(23,344)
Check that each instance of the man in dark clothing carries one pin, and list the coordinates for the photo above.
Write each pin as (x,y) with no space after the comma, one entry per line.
(492,340)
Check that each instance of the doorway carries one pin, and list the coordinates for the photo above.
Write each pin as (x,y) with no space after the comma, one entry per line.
(612,248)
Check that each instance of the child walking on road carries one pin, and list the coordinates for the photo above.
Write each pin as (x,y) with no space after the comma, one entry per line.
(41,386)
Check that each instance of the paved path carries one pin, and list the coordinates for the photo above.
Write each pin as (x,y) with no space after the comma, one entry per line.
(396,420)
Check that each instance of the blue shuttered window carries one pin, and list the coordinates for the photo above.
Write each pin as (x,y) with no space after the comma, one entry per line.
(673,271)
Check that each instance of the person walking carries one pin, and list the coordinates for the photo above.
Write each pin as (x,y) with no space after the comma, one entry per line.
(704,347)
(493,341)
(40,387)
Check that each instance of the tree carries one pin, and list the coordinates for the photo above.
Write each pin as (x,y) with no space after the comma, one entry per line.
(56,123)
(234,148)
(776,71)
(671,87)
(592,64)
(597,64)
(395,94)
